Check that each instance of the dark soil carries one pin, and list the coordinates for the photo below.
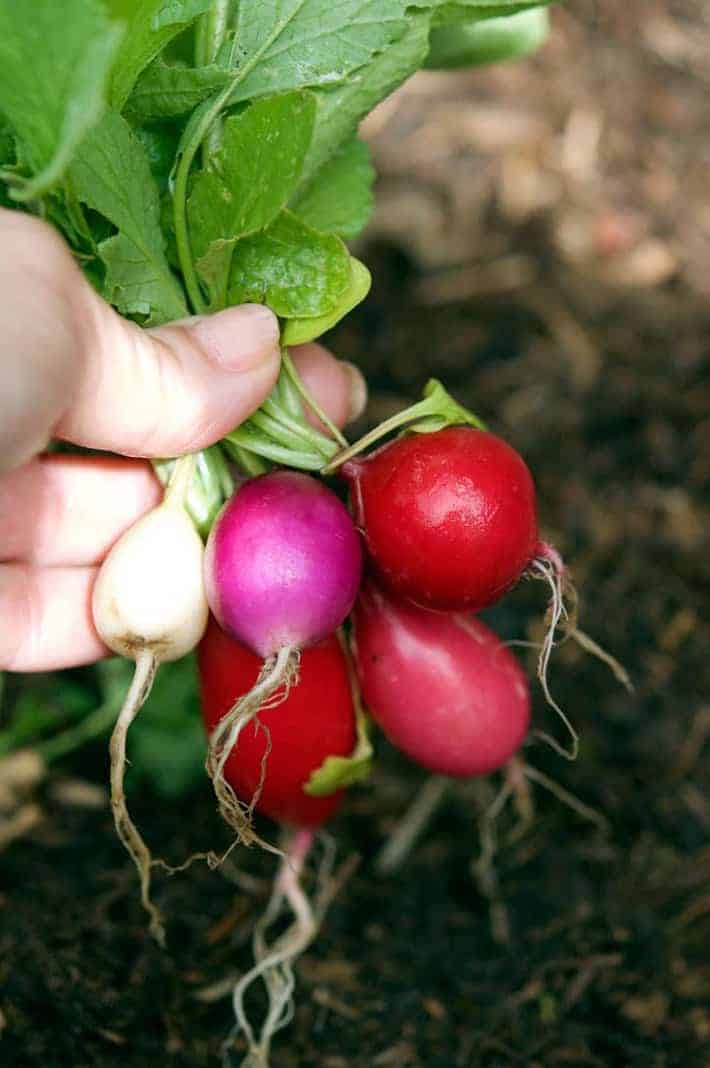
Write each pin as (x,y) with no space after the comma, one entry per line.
(541,245)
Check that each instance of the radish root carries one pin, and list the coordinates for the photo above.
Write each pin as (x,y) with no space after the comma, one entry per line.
(143,676)
(549,566)
(275,679)
(516,779)
(274,963)
(409,829)
(585,812)
(483,868)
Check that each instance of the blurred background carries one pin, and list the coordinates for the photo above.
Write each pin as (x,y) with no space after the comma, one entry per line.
(541,242)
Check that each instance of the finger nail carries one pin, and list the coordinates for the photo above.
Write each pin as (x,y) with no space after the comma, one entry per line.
(240,338)
(357,400)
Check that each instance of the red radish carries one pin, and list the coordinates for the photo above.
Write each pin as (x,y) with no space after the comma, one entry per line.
(282,569)
(444,689)
(267,769)
(449,520)
(448,517)
(288,742)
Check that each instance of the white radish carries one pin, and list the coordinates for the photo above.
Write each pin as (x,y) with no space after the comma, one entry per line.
(149,605)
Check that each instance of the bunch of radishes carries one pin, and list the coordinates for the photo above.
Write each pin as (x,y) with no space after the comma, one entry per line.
(442,521)
(448,522)
(447,518)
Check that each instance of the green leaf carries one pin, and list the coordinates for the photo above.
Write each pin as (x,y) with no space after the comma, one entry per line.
(7,159)
(337,772)
(488,41)
(255,172)
(151,24)
(179,12)
(54,66)
(278,46)
(164,90)
(7,144)
(298,331)
(111,174)
(341,109)
(296,44)
(257,168)
(160,141)
(291,267)
(49,705)
(339,199)
(167,741)
(131,283)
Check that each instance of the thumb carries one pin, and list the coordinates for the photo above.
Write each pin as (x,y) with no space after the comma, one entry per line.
(77,370)
(174,389)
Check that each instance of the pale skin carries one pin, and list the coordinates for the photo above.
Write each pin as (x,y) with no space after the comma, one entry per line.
(72,369)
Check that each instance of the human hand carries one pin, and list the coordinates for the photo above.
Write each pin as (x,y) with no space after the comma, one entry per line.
(72,368)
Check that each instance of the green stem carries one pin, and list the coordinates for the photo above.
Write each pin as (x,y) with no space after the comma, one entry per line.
(437,410)
(310,400)
(209,488)
(220,469)
(283,434)
(201,39)
(288,396)
(198,126)
(409,415)
(298,425)
(248,437)
(200,121)
(217,20)
(251,465)
(213,27)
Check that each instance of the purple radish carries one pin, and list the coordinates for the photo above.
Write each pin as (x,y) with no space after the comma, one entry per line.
(282,570)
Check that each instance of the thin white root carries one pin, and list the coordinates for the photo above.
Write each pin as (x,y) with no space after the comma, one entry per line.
(522,796)
(515,785)
(274,964)
(275,679)
(415,820)
(590,646)
(562,612)
(568,799)
(549,570)
(483,867)
(143,676)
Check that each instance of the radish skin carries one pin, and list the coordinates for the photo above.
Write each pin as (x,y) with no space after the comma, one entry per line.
(149,605)
(276,755)
(449,519)
(444,689)
(282,570)
(149,595)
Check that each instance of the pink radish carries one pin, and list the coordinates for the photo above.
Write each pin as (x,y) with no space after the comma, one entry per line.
(444,689)
(282,570)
